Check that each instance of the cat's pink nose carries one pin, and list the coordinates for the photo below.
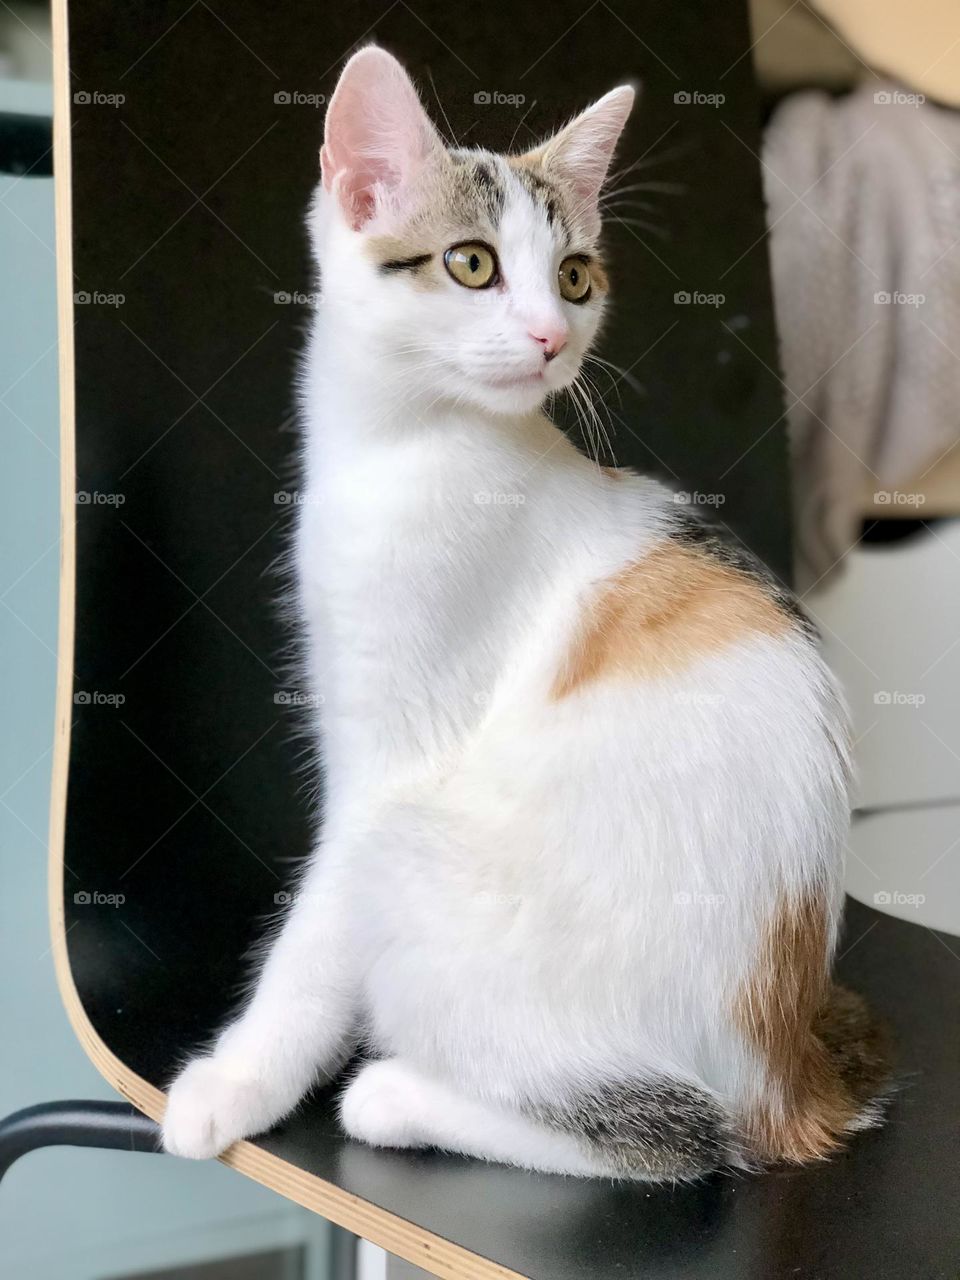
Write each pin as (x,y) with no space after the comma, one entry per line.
(553,338)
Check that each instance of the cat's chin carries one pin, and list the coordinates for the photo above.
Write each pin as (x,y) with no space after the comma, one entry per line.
(516,396)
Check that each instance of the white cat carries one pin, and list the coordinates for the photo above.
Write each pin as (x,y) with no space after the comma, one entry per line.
(585,772)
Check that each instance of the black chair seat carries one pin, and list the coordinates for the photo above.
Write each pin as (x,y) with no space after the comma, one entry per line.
(883,1209)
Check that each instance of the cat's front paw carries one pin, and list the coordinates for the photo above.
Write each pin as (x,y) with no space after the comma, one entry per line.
(211,1105)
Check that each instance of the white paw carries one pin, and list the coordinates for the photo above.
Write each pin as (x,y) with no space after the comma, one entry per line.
(211,1105)
(381,1107)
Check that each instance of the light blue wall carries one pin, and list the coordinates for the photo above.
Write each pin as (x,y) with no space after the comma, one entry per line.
(64,1214)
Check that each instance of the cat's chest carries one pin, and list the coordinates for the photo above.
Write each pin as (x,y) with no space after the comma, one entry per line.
(418,594)
(409,538)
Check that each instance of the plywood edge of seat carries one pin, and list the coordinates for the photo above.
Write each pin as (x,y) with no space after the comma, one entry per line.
(405,1239)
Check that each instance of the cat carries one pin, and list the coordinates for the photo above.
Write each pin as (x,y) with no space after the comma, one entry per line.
(586,775)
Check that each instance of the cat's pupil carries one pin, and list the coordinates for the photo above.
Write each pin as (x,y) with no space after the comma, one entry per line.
(474,262)
(574,276)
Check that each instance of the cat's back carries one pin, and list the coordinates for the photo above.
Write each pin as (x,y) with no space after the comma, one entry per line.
(674,701)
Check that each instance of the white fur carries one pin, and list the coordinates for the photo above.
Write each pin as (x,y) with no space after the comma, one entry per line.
(513,896)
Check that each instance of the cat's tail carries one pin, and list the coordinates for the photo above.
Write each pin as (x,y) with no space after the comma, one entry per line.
(859,1049)
(834,1081)
(664,1128)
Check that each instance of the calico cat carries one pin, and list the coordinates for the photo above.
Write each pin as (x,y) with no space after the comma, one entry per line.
(586,775)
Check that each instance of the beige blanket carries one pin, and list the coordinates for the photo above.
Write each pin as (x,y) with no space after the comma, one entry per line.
(863,197)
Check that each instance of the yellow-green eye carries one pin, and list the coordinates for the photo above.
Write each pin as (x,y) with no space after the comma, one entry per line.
(472,265)
(574,279)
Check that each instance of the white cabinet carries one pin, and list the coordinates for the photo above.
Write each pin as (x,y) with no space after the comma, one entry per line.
(891,631)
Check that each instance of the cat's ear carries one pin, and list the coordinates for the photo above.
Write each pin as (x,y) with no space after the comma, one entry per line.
(581,152)
(377,136)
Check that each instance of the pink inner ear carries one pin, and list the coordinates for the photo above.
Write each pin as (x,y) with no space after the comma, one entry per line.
(378,136)
(582,151)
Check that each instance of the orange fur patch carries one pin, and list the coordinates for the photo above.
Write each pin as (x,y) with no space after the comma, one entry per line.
(779,1010)
(663,612)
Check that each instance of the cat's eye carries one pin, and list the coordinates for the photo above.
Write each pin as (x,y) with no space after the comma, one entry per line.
(574,279)
(472,264)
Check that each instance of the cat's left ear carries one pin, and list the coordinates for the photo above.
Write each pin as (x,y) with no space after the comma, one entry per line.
(581,152)
(377,136)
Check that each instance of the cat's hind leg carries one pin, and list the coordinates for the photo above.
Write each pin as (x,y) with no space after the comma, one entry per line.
(391,1104)
(657,1130)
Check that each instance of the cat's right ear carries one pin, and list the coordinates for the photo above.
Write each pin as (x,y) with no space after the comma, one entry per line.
(377,136)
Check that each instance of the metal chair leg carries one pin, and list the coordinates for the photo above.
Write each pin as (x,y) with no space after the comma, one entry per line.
(117,1126)
(113,1125)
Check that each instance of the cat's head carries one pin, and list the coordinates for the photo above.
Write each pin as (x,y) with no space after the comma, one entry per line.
(475,276)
